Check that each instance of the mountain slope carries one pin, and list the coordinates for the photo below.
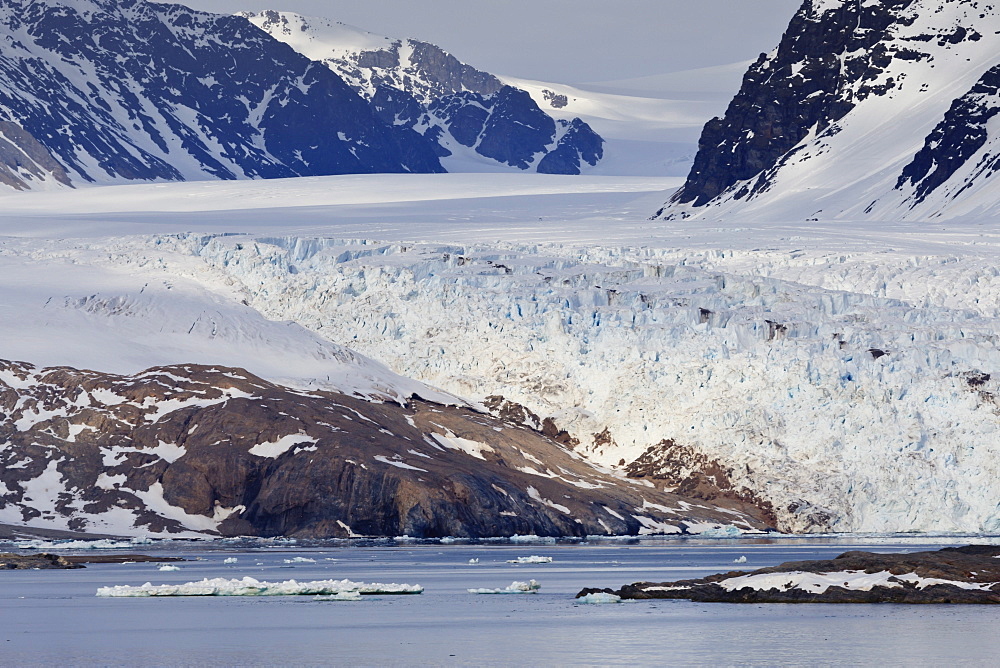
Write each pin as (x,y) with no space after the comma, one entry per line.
(472,115)
(131,90)
(865,110)
(217,450)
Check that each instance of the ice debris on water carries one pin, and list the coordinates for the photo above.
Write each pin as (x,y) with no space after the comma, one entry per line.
(740,560)
(341,596)
(300,560)
(516,587)
(533,559)
(230,560)
(532,538)
(251,587)
(598,598)
(169,567)
(725,531)
(102,544)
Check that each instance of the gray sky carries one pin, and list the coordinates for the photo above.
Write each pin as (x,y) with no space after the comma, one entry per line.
(562,41)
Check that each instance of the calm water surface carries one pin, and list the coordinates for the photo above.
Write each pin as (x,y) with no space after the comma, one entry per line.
(53,617)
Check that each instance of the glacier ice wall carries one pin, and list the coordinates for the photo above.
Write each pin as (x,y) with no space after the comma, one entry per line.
(856,392)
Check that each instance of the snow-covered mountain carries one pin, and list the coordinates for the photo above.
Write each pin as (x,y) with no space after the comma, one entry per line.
(110,91)
(474,117)
(866,110)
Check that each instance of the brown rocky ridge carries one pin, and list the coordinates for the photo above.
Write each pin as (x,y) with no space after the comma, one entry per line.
(41,561)
(968,574)
(218,451)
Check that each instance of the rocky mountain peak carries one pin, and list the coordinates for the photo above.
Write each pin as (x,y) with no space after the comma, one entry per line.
(123,91)
(470,114)
(842,66)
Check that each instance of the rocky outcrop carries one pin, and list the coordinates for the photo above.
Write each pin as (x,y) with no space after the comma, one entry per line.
(953,575)
(219,451)
(42,561)
(418,85)
(960,135)
(691,474)
(24,161)
(110,91)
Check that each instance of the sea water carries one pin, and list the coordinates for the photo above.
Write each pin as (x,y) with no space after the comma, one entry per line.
(54,617)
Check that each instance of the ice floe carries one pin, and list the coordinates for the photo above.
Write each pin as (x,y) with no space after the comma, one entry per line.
(533,559)
(251,587)
(515,587)
(341,596)
(598,598)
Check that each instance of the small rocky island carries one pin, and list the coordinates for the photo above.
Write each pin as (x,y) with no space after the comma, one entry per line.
(968,574)
(18,562)
(10,561)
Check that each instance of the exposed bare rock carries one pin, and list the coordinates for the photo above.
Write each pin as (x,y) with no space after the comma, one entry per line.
(17,562)
(24,160)
(219,451)
(682,470)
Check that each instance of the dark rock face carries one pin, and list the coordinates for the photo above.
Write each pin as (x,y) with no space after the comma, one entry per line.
(445,74)
(218,450)
(952,575)
(23,160)
(826,64)
(958,137)
(513,129)
(579,145)
(140,91)
(429,90)
(42,561)
(556,100)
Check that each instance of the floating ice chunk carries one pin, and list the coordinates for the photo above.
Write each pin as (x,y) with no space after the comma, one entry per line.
(716,531)
(599,597)
(230,560)
(740,560)
(532,538)
(169,567)
(342,596)
(530,587)
(251,587)
(300,560)
(533,559)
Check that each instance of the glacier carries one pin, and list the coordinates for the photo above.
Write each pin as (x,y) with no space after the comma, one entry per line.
(847,373)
